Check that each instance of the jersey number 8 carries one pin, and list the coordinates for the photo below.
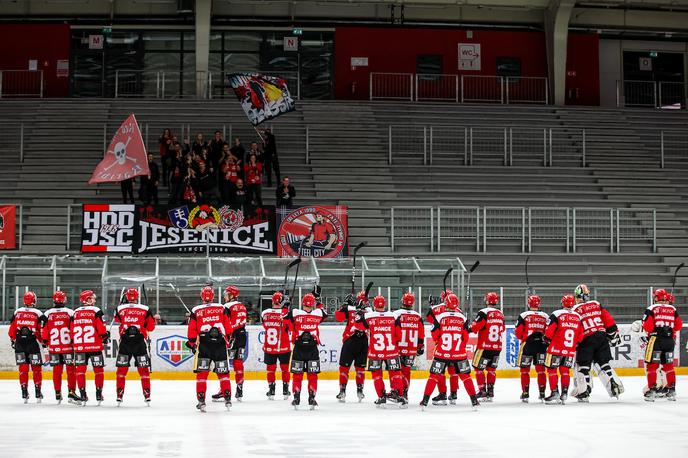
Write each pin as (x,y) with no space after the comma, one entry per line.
(271,336)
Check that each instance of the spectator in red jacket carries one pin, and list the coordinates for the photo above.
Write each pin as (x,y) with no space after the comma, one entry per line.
(230,174)
(253,172)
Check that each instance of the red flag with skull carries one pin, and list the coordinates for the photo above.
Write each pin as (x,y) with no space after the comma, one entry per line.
(125,157)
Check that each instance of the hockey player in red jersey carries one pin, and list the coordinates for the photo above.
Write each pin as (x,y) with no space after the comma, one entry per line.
(383,351)
(489,325)
(135,324)
(410,336)
(661,322)
(25,332)
(564,332)
(599,332)
(207,335)
(436,309)
(236,349)
(530,331)
(276,344)
(305,323)
(57,336)
(89,336)
(450,333)
(354,346)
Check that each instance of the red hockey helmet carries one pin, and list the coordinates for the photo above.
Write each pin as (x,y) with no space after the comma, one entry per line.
(59,297)
(445,293)
(491,298)
(308,300)
(132,295)
(207,294)
(86,295)
(660,295)
(582,292)
(29,298)
(408,299)
(568,301)
(232,291)
(277,297)
(379,302)
(534,301)
(452,301)
(361,296)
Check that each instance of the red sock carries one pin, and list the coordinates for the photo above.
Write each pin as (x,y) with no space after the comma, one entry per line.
(57,377)
(225,383)
(553,379)
(406,372)
(271,372)
(396,381)
(298,380)
(651,369)
(541,376)
(468,384)
(201,384)
(360,375)
(71,377)
(312,382)
(37,375)
(99,376)
(81,377)
(23,374)
(144,373)
(565,376)
(480,379)
(378,383)
(441,383)
(670,374)
(121,377)
(430,384)
(285,373)
(238,371)
(343,375)
(453,379)
(491,375)
(525,378)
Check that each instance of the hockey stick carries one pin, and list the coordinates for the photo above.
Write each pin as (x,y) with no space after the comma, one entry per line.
(296,275)
(114,315)
(444,281)
(353,267)
(286,273)
(527,277)
(176,293)
(148,340)
(673,281)
(468,285)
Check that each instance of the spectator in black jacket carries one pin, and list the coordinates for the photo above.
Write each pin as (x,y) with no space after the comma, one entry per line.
(149,184)
(238,150)
(215,147)
(285,193)
(198,144)
(270,160)
(240,197)
(206,184)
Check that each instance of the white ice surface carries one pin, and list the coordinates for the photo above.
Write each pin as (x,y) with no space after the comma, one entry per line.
(172,427)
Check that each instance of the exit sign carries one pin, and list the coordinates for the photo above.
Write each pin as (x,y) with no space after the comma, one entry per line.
(297,31)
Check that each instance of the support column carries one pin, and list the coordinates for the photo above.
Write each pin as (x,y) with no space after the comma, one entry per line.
(557,17)
(203,13)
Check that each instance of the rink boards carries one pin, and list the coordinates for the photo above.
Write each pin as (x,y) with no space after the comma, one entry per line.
(170,355)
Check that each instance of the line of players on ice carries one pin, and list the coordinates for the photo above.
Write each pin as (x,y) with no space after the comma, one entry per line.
(578,335)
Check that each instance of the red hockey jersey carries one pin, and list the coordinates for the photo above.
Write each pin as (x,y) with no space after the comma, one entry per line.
(410,331)
(237,315)
(382,329)
(87,327)
(137,315)
(489,325)
(349,315)
(530,322)
(564,331)
(204,317)
(434,311)
(57,330)
(594,318)
(277,329)
(450,335)
(26,317)
(660,318)
(302,321)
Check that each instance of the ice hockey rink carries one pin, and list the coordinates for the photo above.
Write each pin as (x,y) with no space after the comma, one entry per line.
(172,427)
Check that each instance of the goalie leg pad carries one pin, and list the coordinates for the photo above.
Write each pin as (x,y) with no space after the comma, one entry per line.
(603,373)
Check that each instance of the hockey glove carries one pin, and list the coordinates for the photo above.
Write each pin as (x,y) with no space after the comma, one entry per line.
(191,346)
(316,291)
(105,337)
(349,299)
(420,351)
(614,339)
(433,300)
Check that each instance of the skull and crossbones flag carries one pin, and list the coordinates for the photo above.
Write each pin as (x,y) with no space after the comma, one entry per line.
(125,157)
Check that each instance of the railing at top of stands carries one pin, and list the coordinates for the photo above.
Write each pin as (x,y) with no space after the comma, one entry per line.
(21,83)
(667,95)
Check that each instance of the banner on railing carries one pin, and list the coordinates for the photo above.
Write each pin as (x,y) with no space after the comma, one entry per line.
(184,229)
(262,97)
(8,223)
(319,231)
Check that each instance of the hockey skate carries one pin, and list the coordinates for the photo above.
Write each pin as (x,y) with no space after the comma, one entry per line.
(25,393)
(381,401)
(452,398)
(401,401)
(440,399)
(39,394)
(341,397)
(650,394)
(525,395)
(99,396)
(553,398)
(271,392)
(228,399)
(482,393)
(541,395)
(614,388)
(312,403)
(584,396)
(285,390)
(120,396)
(670,394)
(564,394)
(489,394)
(239,394)
(297,400)
(359,392)
(72,398)
(146,397)
(58,397)
(201,401)
(424,402)
(474,402)
(84,397)
(218,397)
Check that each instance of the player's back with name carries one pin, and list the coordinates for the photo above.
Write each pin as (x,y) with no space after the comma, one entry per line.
(594,317)
(26,317)
(303,321)
(87,327)
(135,315)
(205,317)
(237,314)
(276,339)
(409,326)
(57,323)
(450,334)
(564,330)
(382,329)
(531,324)
(662,319)
(489,325)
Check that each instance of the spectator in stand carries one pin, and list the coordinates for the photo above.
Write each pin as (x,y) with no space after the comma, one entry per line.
(206,186)
(186,146)
(189,194)
(230,174)
(158,320)
(127,190)
(240,197)
(204,158)
(148,192)
(238,150)
(185,321)
(270,156)
(215,148)
(198,144)
(253,171)
(254,150)
(285,193)
(177,165)
(164,142)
